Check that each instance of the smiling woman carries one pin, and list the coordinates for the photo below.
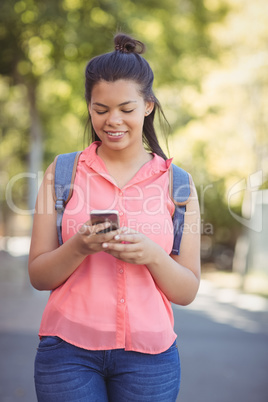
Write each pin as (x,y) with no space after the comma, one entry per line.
(126,64)
(117,113)
(107,330)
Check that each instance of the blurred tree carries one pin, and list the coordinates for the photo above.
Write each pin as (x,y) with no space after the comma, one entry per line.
(224,138)
(44,47)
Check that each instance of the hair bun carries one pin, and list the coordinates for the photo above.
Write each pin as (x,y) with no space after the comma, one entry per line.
(126,44)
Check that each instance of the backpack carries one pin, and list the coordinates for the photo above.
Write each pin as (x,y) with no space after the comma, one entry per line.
(64,174)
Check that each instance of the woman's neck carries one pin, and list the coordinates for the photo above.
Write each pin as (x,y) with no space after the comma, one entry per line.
(125,157)
(123,166)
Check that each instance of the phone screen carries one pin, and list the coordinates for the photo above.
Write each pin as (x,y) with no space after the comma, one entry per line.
(101,216)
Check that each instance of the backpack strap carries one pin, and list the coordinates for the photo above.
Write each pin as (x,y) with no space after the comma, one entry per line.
(180,186)
(64,167)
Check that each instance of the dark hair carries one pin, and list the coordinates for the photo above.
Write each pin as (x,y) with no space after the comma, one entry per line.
(126,62)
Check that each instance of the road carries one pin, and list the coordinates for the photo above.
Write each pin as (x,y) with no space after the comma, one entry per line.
(223,342)
(222,339)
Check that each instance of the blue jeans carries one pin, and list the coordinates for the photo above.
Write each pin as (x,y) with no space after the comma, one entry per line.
(66,373)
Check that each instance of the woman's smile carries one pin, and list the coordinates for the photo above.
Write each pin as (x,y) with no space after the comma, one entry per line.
(117,112)
(116,135)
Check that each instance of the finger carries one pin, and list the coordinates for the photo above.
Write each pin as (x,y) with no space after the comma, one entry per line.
(88,230)
(128,230)
(121,247)
(130,257)
(129,238)
(113,232)
(112,235)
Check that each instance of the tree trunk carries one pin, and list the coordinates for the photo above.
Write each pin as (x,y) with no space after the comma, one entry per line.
(36,148)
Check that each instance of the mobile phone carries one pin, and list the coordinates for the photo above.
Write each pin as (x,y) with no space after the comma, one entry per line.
(105,215)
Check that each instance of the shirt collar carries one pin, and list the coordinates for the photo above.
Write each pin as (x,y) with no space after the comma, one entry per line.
(155,166)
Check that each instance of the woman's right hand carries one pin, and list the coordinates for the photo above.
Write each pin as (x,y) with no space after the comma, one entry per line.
(50,265)
(90,241)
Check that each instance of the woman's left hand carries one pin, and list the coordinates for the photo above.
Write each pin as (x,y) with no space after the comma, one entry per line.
(132,247)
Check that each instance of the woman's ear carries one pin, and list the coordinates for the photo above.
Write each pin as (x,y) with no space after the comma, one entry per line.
(89,109)
(149,106)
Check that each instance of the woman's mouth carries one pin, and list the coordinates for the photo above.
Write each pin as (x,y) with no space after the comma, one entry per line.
(115,134)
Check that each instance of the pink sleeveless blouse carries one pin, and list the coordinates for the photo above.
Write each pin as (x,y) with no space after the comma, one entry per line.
(107,303)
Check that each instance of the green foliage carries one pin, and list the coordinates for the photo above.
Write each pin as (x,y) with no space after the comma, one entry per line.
(45,45)
(264,186)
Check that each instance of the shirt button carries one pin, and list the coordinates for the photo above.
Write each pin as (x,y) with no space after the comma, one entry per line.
(122,301)
(121,193)
(121,213)
(121,271)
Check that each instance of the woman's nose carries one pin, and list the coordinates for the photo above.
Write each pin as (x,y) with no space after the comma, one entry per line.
(114,118)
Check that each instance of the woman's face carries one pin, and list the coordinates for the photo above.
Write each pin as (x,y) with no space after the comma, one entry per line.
(117,113)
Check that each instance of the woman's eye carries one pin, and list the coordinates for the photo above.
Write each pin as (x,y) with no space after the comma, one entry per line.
(100,112)
(127,111)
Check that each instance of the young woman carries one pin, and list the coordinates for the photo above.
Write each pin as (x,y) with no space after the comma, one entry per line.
(107,330)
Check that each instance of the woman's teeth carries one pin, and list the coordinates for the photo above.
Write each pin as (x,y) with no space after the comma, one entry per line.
(115,134)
